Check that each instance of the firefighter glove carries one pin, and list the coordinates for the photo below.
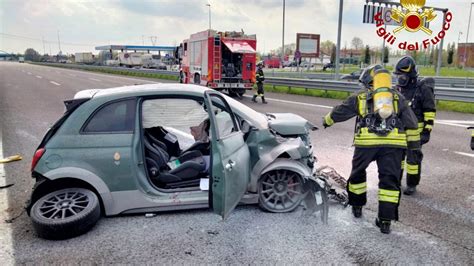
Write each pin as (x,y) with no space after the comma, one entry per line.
(425,136)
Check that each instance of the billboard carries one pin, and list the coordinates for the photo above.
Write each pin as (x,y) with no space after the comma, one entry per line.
(307,44)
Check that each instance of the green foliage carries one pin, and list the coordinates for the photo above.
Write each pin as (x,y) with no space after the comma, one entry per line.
(385,54)
(333,54)
(367,55)
(32,55)
(450,54)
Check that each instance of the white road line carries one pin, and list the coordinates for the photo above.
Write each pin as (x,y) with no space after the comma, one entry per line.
(299,103)
(95,79)
(40,77)
(55,83)
(465,154)
(457,121)
(450,124)
(29,73)
(5,229)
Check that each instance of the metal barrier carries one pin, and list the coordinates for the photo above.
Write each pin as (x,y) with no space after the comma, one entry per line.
(441,92)
(454,82)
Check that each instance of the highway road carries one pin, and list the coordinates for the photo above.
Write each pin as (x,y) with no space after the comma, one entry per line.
(436,225)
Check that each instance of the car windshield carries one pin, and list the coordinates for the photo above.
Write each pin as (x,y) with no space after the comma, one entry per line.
(255,118)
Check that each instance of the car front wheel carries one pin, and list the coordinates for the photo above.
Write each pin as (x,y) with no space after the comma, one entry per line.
(65,213)
(280,191)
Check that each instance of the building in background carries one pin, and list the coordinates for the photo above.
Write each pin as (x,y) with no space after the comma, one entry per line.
(470,54)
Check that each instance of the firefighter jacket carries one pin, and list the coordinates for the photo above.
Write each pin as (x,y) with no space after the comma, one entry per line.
(260,76)
(403,135)
(420,96)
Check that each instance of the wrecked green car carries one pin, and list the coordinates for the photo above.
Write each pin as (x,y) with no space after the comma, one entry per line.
(161,147)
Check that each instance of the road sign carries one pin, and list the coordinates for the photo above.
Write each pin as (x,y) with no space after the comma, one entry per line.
(307,44)
(370,11)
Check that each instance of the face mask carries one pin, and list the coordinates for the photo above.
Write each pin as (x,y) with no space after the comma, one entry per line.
(402,80)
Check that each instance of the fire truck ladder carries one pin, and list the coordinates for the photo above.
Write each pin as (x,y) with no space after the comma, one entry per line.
(217,62)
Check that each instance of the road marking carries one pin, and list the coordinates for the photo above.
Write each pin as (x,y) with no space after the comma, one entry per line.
(6,241)
(299,103)
(29,73)
(40,77)
(55,83)
(95,79)
(465,154)
(452,123)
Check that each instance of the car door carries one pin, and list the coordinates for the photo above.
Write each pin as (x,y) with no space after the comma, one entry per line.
(230,173)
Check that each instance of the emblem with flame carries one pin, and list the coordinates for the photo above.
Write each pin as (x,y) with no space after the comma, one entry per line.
(411,18)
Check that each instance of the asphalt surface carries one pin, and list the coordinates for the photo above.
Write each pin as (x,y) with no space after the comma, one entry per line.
(436,225)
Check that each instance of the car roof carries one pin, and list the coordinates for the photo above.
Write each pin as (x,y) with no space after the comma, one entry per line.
(145,89)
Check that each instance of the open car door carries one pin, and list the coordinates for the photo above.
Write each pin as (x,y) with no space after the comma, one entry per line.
(230,173)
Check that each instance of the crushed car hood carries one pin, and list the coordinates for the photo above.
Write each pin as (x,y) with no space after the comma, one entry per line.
(289,124)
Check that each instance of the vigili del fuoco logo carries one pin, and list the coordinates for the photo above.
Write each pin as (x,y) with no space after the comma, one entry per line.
(412,18)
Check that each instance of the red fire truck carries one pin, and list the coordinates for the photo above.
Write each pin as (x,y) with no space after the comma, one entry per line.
(219,60)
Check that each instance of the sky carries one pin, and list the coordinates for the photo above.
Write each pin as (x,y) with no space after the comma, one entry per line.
(82,25)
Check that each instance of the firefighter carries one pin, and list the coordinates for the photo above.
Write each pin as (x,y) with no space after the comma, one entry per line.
(260,78)
(385,127)
(420,96)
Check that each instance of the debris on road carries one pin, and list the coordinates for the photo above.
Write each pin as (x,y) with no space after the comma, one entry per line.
(335,184)
(212,232)
(12,158)
(6,186)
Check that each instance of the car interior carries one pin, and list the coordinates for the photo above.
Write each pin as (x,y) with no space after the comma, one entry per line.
(176,142)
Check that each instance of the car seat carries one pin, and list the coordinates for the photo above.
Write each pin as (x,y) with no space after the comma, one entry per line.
(187,173)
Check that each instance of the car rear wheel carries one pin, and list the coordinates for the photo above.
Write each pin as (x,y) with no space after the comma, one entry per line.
(280,191)
(65,213)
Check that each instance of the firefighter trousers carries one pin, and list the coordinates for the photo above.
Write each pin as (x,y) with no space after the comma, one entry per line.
(388,163)
(412,164)
(260,91)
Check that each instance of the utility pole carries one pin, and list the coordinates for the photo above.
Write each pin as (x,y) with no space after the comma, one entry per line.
(339,29)
(59,43)
(44,49)
(283,36)
(457,52)
(440,51)
(467,40)
(209,5)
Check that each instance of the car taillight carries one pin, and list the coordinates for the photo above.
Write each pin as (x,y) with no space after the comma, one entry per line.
(36,157)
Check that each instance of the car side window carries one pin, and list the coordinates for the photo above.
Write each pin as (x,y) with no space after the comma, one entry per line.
(114,117)
(225,123)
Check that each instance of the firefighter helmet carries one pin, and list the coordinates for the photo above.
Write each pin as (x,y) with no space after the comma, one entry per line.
(260,64)
(405,70)
(367,76)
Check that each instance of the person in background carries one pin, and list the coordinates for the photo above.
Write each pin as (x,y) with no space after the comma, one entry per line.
(420,96)
(260,78)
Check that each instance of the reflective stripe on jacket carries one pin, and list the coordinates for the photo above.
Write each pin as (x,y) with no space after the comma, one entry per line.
(357,105)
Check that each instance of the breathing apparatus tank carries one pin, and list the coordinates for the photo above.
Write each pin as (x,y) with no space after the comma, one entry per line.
(382,96)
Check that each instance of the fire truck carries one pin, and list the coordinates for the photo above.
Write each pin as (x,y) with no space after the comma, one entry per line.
(219,60)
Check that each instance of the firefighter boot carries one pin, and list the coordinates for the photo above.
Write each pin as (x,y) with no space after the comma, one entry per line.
(384,225)
(410,190)
(357,211)
(263,100)
(254,98)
